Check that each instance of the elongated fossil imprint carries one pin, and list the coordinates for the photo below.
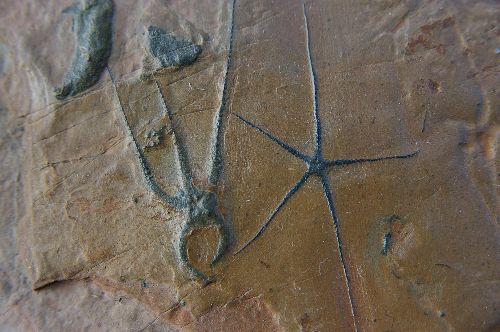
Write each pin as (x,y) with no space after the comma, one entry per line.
(92,24)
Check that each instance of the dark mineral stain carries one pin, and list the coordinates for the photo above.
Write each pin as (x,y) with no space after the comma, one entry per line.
(391,226)
(424,121)
(386,243)
(306,323)
(429,36)
(266,265)
(144,284)
(169,50)
(438,25)
(434,87)
(92,25)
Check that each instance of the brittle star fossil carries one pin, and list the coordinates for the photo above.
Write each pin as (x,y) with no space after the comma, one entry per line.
(199,205)
(317,165)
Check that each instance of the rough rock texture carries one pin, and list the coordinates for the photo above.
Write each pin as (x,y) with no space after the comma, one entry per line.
(362,134)
(169,50)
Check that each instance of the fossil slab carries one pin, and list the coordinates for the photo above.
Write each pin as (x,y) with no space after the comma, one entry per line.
(320,165)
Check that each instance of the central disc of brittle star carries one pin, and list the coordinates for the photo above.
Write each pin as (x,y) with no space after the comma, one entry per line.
(316,165)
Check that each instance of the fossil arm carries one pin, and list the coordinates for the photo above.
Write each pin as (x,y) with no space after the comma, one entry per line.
(215,161)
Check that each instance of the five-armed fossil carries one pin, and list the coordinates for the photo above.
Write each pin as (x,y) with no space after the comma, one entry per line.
(317,165)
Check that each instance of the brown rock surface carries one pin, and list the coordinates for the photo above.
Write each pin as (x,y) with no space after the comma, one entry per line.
(392,227)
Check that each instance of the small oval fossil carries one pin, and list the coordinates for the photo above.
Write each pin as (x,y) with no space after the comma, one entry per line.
(170,50)
(93,27)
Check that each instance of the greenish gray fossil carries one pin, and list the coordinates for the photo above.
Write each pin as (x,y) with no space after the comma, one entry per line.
(169,50)
(92,25)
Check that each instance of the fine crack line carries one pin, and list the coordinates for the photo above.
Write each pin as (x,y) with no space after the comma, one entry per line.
(73,126)
(72,174)
(85,157)
(178,304)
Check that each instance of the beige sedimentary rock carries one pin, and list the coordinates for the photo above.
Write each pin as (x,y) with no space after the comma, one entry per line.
(358,179)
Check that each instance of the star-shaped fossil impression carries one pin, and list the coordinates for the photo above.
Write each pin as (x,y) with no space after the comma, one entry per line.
(316,164)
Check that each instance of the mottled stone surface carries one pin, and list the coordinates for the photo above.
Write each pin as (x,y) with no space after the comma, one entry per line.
(170,50)
(363,134)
